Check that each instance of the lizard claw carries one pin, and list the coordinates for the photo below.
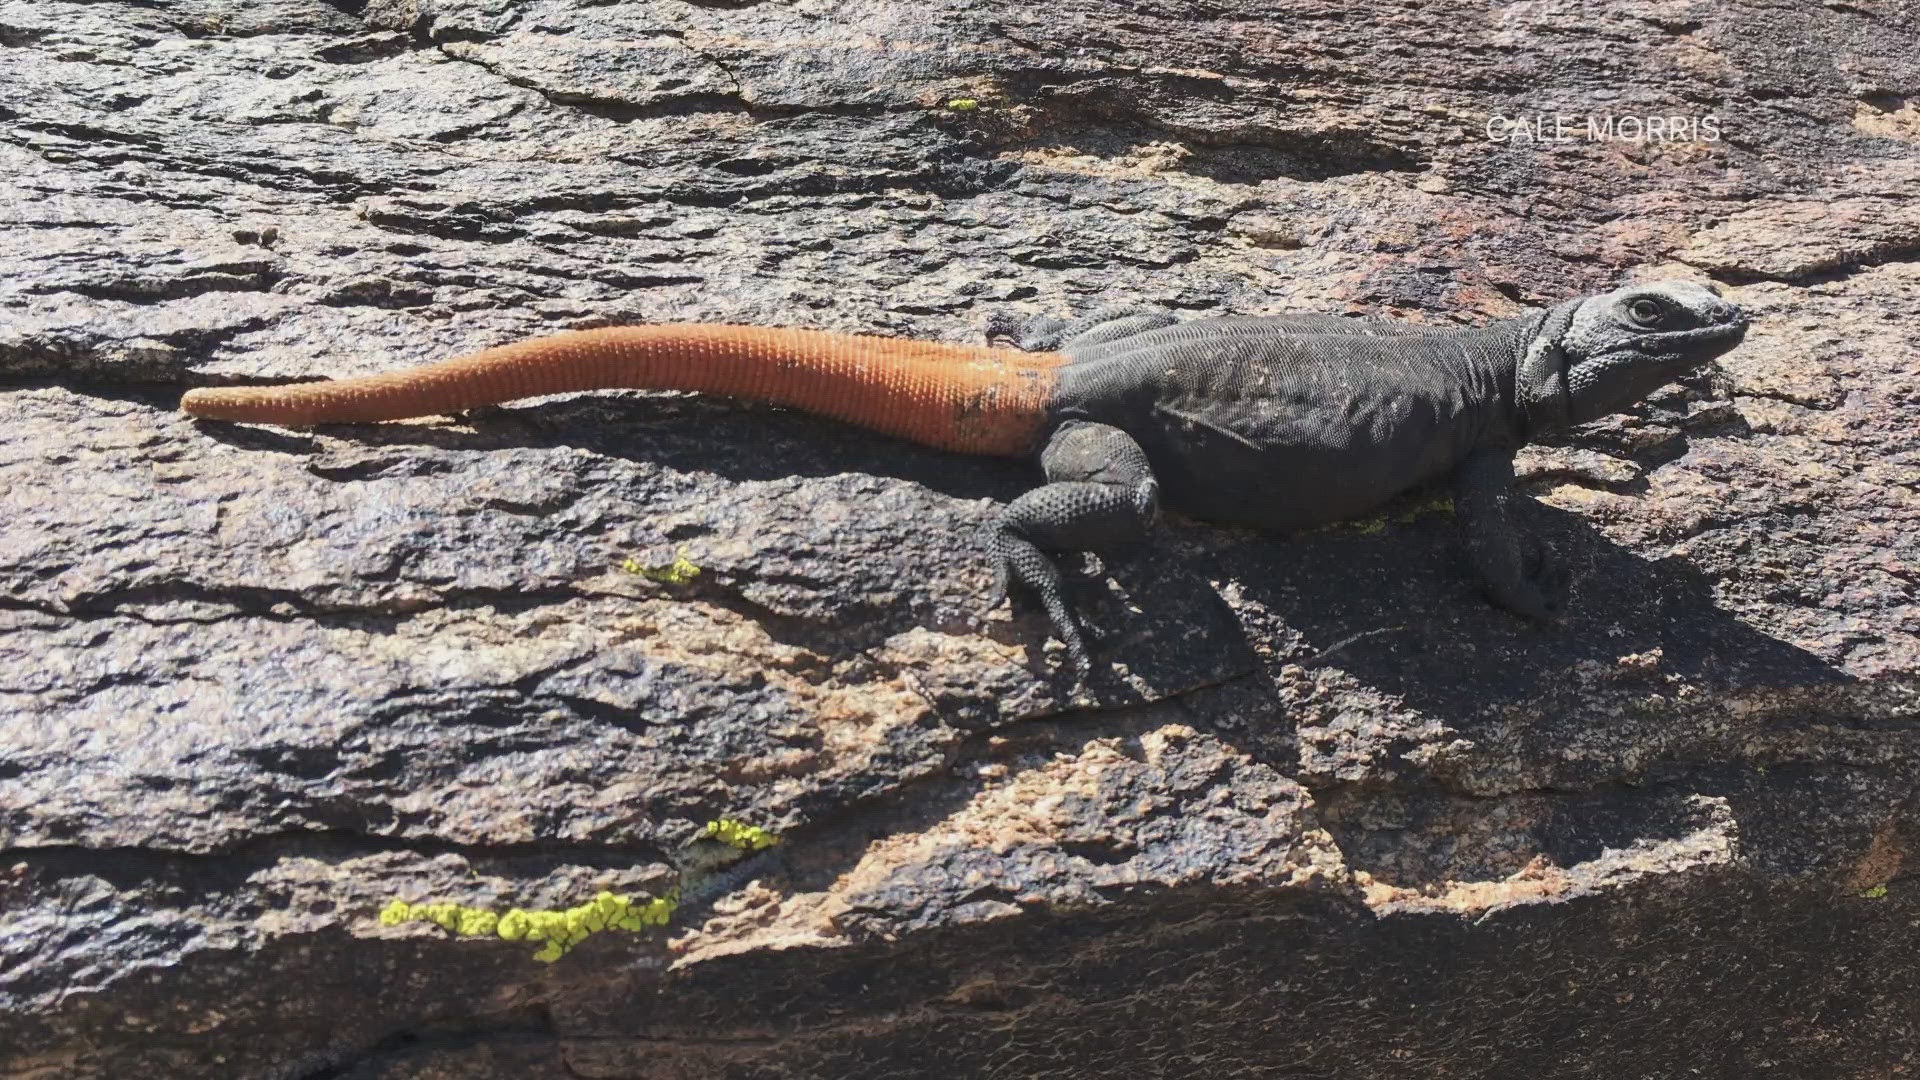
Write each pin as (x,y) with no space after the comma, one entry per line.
(1000,593)
(1078,654)
(1528,602)
(1547,579)
(1023,566)
(1536,596)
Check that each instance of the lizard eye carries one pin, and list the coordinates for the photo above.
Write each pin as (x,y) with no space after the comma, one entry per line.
(1644,311)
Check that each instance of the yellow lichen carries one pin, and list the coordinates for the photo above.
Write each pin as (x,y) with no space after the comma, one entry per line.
(558,931)
(678,572)
(739,834)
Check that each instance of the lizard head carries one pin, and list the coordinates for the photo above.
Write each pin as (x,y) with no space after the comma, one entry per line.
(1600,354)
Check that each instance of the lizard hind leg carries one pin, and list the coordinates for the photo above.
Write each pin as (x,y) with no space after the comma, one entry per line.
(1100,494)
(1046,333)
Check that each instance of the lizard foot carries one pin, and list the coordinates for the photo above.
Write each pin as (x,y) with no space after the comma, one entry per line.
(1101,494)
(1045,333)
(1022,563)
(1539,591)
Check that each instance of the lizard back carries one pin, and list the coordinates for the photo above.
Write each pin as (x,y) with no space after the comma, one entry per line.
(1252,421)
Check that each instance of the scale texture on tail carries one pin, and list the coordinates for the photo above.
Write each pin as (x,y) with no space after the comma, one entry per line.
(973,399)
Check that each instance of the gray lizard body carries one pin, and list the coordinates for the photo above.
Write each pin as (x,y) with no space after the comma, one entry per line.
(1291,421)
(1280,429)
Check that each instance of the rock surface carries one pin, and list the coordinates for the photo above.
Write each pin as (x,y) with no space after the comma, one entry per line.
(1332,816)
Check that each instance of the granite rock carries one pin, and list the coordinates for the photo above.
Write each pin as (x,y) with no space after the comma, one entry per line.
(1329,815)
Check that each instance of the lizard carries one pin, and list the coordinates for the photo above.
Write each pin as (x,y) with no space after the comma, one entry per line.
(1279,422)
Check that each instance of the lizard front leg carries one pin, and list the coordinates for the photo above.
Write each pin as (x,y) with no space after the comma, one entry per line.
(1100,494)
(1522,581)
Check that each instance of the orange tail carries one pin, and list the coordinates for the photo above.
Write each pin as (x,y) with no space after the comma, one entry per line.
(976,400)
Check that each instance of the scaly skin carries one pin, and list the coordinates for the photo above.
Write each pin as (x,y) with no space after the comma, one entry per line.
(1278,422)
(1294,420)
(972,399)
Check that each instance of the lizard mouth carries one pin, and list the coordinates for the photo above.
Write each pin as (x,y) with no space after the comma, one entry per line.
(1719,337)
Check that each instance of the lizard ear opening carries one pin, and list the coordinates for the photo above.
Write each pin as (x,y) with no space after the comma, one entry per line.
(1540,384)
